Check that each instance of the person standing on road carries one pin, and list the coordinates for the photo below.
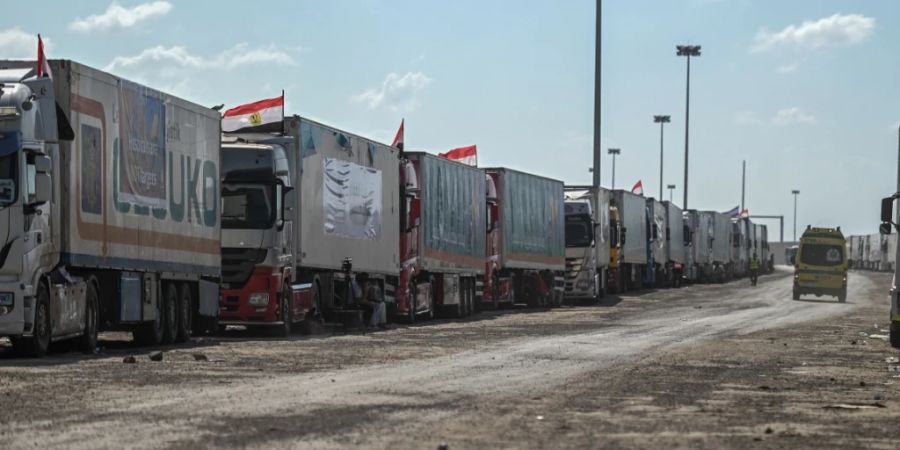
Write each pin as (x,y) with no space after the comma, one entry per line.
(754,268)
(368,296)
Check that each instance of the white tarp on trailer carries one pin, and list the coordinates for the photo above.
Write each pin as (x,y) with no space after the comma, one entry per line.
(351,198)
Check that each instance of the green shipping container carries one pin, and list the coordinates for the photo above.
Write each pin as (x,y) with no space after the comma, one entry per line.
(532,220)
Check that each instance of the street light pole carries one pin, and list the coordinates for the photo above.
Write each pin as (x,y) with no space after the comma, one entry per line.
(796,193)
(614,152)
(687,51)
(671,188)
(597,52)
(661,120)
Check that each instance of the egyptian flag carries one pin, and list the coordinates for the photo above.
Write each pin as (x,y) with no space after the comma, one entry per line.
(43,67)
(466,155)
(398,138)
(638,188)
(733,212)
(262,116)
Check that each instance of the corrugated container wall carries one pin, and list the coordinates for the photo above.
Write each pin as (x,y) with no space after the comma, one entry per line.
(453,214)
(674,233)
(533,224)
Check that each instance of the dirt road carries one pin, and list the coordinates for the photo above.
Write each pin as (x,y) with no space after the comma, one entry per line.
(703,366)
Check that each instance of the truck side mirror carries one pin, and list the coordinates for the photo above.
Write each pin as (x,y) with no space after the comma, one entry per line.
(415,212)
(42,188)
(287,205)
(493,211)
(887,214)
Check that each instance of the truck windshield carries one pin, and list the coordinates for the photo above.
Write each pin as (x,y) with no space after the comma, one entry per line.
(822,254)
(247,206)
(579,232)
(10,145)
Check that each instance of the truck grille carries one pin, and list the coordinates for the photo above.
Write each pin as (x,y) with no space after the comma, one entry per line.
(238,265)
(573,267)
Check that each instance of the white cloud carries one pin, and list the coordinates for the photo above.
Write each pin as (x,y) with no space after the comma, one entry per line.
(397,93)
(788,68)
(747,118)
(17,44)
(239,55)
(793,115)
(119,17)
(178,71)
(839,30)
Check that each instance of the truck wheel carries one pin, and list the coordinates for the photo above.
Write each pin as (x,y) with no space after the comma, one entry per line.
(170,314)
(895,334)
(286,316)
(412,293)
(88,341)
(37,345)
(185,314)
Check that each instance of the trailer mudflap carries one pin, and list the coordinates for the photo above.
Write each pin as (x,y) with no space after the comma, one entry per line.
(208,298)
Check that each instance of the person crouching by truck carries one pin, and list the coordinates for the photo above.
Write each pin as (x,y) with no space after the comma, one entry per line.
(369,297)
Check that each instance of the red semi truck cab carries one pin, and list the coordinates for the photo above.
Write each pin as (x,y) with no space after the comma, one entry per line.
(257,197)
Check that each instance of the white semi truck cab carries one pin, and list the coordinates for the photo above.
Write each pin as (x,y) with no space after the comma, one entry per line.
(29,135)
(582,278)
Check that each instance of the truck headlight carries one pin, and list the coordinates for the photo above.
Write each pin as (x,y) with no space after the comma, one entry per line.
(6,298)
(259,299)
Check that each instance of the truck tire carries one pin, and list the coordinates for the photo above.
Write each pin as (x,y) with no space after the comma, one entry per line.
(36,346)
(895,334)
(88,341)
(170,314)
(285,314)
(185,314)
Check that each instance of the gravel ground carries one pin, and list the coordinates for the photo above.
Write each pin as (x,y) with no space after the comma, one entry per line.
(703,366)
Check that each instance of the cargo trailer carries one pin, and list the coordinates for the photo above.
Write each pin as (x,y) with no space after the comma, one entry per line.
(740,246)
(113,220)
(442,241)
(633,253)
(702,236)
(674,244)
(333,212)
(657,273)
(526,245)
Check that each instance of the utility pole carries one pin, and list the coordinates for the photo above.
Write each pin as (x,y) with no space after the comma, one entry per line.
(614,152)
(796,193)
(743,183)
(661,120)
(597,52)
(687,51)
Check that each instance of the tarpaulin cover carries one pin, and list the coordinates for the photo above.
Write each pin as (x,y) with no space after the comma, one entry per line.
(351,198)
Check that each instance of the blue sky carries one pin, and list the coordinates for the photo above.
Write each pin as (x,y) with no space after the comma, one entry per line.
(807,91)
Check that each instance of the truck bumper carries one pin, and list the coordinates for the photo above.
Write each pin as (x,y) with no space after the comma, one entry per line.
(12,318)
(235,307)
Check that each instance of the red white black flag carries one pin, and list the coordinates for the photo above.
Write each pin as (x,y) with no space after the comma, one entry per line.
(263,115)
(43,68)
(466,155)
(398,138)
(638,188)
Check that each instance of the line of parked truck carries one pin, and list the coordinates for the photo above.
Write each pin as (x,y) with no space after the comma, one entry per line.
(876,252)
(125,208)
